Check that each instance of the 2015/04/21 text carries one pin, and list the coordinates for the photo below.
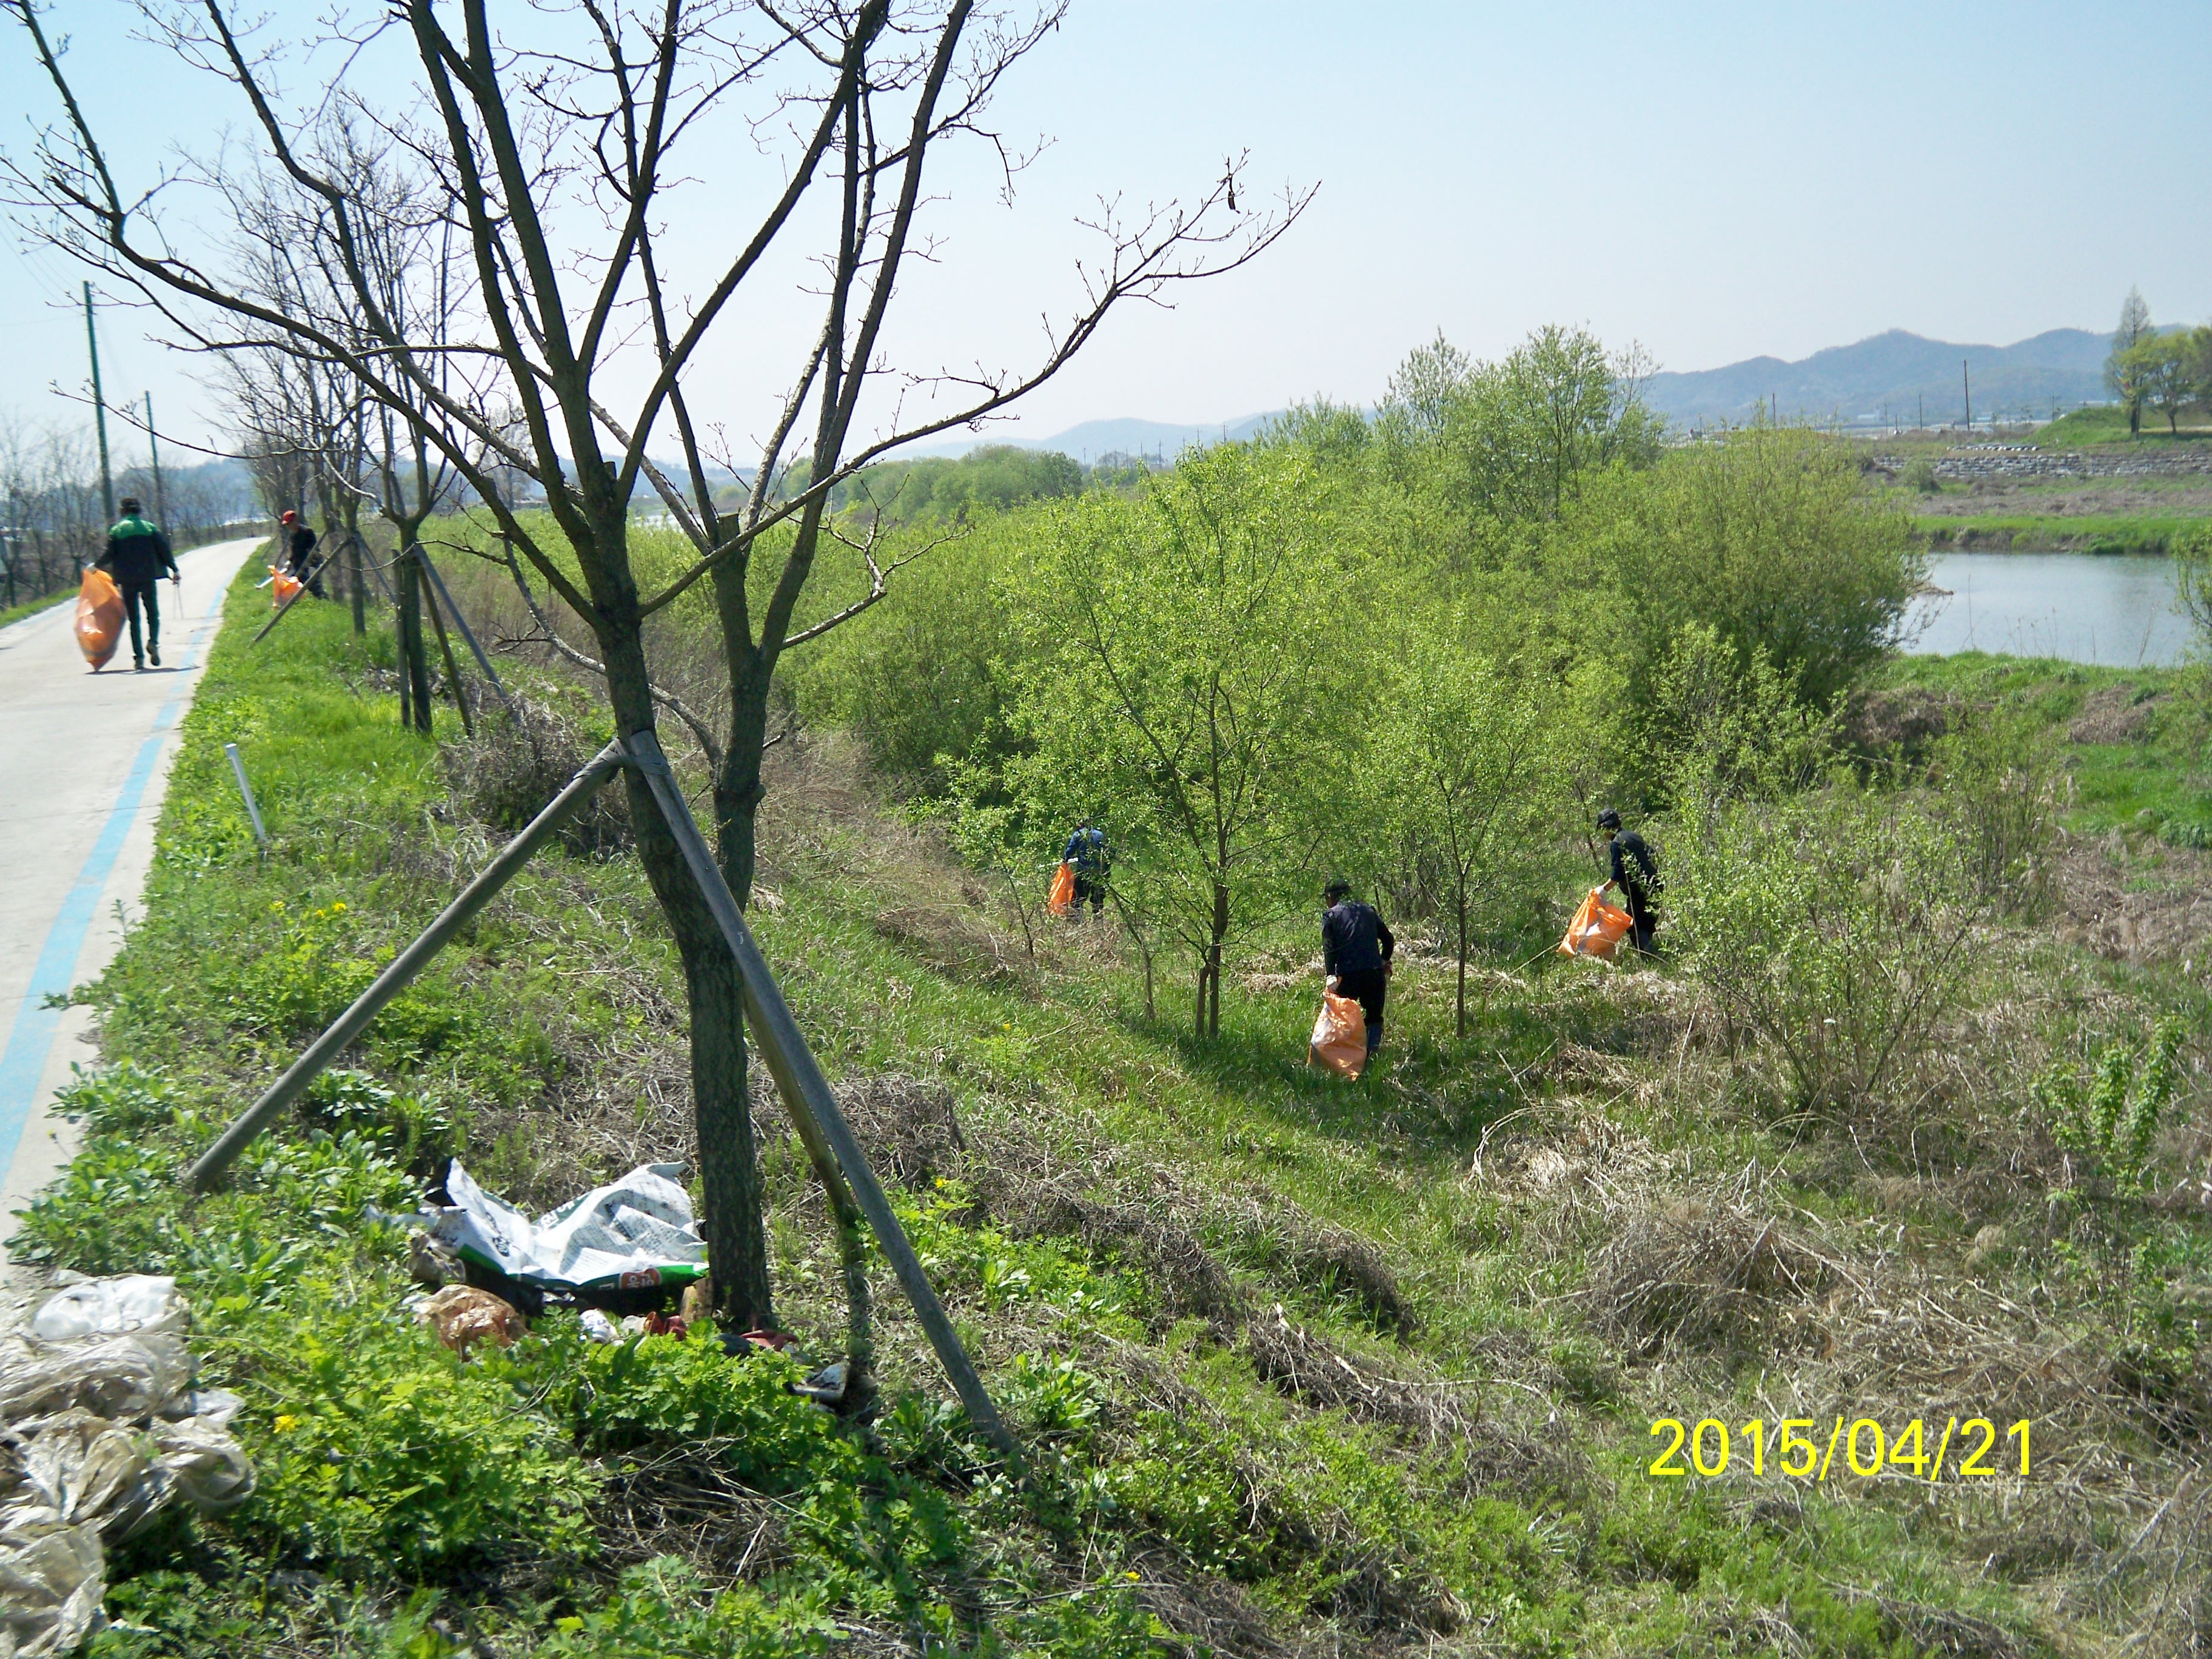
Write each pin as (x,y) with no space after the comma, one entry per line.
(1867,1449)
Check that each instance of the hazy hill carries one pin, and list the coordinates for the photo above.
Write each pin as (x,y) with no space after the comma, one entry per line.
(1898,370)
(1093,439)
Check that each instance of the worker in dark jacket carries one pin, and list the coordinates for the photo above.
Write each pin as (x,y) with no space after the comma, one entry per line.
(1636,873)
(138,557)
(300,553)
(1355,948)
(1088,855)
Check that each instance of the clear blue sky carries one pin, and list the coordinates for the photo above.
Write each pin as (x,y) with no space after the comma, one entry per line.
(1715,181)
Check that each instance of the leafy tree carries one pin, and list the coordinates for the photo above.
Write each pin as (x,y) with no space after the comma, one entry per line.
(2121,371)
(1458,751)
(1512,440)
(2161,368)
(1766,537)
(1184,691)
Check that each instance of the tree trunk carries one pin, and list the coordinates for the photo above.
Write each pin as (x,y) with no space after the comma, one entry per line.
(1210,1000)
(414,662)
(356,579)
(1463,961)
(729,1165)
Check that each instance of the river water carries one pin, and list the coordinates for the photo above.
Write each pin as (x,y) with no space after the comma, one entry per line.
(2112,609)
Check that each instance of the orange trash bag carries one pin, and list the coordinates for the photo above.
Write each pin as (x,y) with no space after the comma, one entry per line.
(1062,897)
(99,617)
(287,585)
(1597,928)
(1340,1037)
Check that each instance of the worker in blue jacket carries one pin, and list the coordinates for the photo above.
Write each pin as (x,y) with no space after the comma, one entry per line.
(1089,855)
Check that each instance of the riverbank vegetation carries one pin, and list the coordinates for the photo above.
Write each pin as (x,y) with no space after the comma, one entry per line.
(1909,1126)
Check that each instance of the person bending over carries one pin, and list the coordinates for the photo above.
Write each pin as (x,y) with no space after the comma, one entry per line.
(1355,949)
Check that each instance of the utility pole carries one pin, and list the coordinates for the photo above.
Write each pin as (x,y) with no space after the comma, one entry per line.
(99,410)
(1922,416)
(153,444)
(1967,382)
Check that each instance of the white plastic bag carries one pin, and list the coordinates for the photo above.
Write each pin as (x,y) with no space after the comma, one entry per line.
(630,1233)
(129,1306)
(50,1591)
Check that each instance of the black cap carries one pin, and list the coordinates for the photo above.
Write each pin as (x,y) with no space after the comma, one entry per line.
(1608,819)
(1338,888)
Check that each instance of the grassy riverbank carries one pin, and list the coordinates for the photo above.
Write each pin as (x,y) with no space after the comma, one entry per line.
(1308,1365)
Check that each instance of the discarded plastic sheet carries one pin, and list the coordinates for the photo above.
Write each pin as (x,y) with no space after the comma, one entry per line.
(631,1234)
(50,1591)
(99,617)
(286,586)
(133,1305)
(1597,928)
(1062,897)
(1340,1037)
(461,1317)
(101,1430)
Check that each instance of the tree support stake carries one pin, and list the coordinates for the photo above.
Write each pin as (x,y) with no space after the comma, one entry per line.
(807,1093)
(208,1167)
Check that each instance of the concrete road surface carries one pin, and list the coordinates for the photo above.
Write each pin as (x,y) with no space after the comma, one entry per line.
(84,760)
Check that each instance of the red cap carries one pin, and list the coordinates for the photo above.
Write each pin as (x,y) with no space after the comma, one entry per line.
(290,517)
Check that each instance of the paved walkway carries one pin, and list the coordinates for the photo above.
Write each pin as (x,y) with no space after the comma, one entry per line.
(84,762)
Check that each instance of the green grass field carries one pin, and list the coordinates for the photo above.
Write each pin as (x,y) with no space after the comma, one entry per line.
(2027,533)
(2093,428)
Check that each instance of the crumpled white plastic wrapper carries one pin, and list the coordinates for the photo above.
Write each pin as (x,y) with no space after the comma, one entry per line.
(134,1305)
(50,1591)
(100,1428)
(635,1232)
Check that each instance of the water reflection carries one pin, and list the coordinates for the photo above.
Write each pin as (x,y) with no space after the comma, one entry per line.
(2114,610)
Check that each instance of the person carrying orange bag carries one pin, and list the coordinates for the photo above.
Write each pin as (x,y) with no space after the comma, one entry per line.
(1356,953)
(137,556)
(1081,877)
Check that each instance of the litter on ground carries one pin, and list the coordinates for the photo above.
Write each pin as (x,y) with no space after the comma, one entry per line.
(100,1429)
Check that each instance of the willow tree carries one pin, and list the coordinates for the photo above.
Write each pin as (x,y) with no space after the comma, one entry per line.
(796,143)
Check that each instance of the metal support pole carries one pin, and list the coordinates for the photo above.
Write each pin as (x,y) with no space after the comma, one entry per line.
(211,1163)
(808,1094)
(245,791)
(461,622)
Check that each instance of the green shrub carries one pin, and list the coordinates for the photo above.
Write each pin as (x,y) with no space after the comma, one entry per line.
(1920,476)
(395,1454)
(1833,925)
(1998,770)
(2110,1108)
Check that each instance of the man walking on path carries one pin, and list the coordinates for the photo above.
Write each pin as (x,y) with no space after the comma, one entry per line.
(137,556)
(1088,855)
(300,553)
(1636,873)
(1355,949)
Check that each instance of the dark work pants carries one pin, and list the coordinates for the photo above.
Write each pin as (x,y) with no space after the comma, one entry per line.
(1092,887)
(148,594)
(1643,923)
(1367,989)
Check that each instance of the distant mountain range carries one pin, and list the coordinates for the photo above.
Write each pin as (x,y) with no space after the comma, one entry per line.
(1894,376)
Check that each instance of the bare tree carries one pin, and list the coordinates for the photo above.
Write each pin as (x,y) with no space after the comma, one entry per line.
(558,153)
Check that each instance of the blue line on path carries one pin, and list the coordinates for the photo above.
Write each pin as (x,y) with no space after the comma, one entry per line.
(32,1038)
